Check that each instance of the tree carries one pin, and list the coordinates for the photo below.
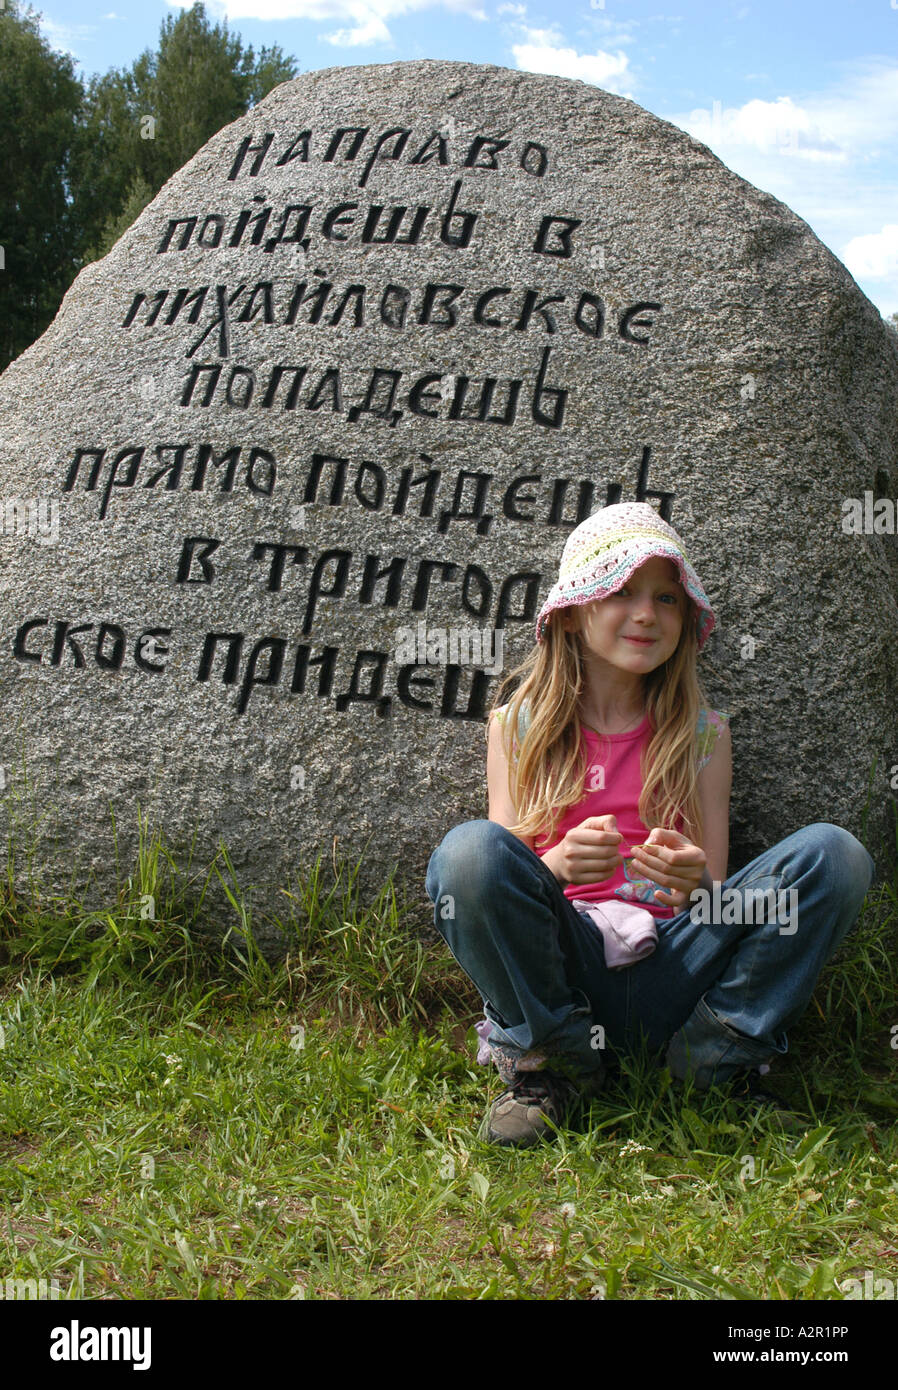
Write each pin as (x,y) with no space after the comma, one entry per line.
(40,98)
(139,195)
(892,321)
(143,124)
(78,165)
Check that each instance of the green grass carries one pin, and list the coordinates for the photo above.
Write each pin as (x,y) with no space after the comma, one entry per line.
(181,1119)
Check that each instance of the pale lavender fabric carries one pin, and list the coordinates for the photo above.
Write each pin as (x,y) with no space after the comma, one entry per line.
(483,1030)
(628,932)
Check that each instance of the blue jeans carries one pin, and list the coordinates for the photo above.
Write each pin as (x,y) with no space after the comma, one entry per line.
(714,998)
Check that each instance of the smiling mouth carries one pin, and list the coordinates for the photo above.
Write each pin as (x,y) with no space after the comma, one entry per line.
(643,641)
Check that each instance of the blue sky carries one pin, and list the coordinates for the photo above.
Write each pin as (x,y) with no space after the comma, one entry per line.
(800,98)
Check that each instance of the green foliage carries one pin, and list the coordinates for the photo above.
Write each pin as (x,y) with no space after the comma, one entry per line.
(40,97)
(182,1121)
(141,125)
(78,164)
(140,194)
(188,1145)
(365,961)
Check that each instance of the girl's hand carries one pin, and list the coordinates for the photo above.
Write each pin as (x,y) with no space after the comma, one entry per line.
(589,851)
(668,858)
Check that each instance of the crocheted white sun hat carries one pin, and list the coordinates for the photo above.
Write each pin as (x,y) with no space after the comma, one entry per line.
(603,551)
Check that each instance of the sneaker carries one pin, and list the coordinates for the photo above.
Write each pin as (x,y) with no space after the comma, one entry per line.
(519,1116)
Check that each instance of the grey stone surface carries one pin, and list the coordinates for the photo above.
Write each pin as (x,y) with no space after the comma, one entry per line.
(756,395)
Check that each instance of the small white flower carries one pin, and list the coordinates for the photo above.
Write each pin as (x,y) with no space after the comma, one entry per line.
(631,1147)
(568,1210)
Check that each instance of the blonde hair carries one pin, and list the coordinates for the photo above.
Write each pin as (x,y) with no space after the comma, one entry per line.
(547,768)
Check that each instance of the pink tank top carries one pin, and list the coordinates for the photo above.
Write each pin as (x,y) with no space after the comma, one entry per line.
(613,783)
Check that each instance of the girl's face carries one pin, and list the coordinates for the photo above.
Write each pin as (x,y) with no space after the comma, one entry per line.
(637,628)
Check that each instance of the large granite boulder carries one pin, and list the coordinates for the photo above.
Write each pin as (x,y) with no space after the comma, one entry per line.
(349,381)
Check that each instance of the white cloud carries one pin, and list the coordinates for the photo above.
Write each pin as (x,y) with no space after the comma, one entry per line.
(519,10)
(854,118)
(356,15)
(363,23)
(370,31)
(864,111)
(874,256)
(63,37)
(542,37)
(830,156)
(545,52)
(778,125)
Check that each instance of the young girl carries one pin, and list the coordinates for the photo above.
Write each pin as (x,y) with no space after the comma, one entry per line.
(575,908)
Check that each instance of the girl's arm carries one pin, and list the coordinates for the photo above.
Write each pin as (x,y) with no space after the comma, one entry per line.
(502,809)
(501,806)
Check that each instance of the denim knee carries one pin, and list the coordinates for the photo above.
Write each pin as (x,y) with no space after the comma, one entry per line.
(467,855)
(850,864)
